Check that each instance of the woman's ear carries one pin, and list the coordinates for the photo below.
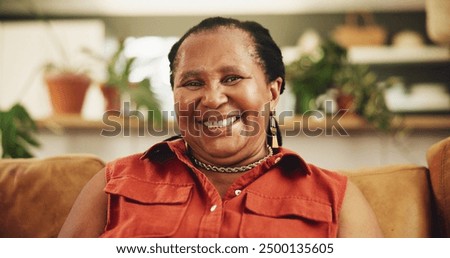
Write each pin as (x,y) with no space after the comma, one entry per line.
(275,89)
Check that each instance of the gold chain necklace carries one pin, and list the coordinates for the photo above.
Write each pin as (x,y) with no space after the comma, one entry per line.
(231,169)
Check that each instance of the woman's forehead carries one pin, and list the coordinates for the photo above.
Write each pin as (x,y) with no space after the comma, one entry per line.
(231,35)
(220,39)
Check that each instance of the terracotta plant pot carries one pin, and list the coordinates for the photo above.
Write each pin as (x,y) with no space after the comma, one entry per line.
(345,101)
(67,91)
(112,97)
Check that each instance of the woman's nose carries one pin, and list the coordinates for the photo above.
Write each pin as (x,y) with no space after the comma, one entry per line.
(213,97)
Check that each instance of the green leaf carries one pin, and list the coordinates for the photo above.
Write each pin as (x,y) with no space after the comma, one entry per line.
(143,96)
(313,77)
(17,130)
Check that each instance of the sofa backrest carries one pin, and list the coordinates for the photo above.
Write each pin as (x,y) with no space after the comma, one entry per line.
(36,194)
(438,158)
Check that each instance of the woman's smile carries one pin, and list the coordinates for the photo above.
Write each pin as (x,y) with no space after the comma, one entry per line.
(220,123)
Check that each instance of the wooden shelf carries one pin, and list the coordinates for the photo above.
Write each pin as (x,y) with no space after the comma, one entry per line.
(396,55)
(351,122)
(62,123)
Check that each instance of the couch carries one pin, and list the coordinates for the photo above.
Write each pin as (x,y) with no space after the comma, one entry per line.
(409,201)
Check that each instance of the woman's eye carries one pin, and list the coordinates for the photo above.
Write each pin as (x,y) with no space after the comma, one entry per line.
(193,84)
(231,79)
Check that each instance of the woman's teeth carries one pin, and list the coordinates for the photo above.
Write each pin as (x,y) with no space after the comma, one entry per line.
(219,124)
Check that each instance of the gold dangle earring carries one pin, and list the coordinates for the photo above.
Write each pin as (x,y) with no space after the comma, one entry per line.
(274,139)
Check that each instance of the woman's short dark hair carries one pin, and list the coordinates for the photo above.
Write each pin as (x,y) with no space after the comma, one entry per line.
(268,54)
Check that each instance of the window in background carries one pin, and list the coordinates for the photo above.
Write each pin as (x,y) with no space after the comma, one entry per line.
(152,62)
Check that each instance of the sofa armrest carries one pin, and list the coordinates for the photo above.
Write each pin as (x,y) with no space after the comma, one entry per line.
(400,196)
(36,194)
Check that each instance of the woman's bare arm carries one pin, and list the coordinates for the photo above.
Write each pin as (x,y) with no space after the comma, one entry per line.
(87,218)
(357,218)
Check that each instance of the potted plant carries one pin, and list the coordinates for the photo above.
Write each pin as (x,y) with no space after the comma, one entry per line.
(361,92)
(67,88)
(118,69)
(67,84)
(17,130)
(312,74)
(358,88)
(118,83)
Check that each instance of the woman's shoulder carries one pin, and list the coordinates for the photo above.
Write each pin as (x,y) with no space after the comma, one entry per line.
(153,159)
(156,151)
(124,161)
(327,173)
(293,160)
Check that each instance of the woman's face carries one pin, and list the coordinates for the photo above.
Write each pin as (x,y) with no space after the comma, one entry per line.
(222,97)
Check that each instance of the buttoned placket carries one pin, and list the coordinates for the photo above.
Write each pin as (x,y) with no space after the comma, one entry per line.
(212,218)
(211,221)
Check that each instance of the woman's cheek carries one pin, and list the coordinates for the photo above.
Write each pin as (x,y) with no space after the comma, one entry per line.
(184,108)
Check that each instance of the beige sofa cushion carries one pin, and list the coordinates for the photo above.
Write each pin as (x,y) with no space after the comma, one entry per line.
(37,194)
(438,158)
(400,196)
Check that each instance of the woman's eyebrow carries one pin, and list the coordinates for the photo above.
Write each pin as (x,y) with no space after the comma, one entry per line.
(189,74)
(230,69)
(196,73)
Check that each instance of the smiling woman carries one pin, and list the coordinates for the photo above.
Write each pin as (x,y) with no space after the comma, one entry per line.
(225,176)
(212,87)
